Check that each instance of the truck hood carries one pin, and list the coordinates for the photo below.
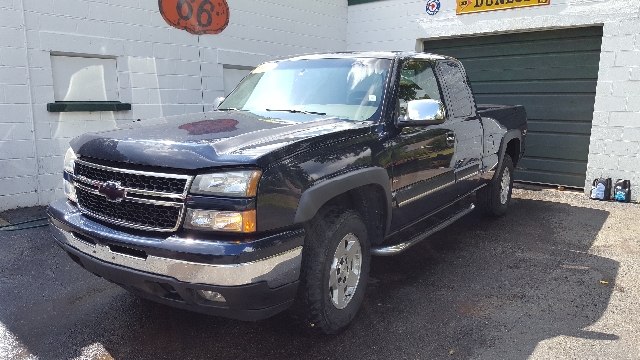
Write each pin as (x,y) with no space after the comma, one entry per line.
(203,140)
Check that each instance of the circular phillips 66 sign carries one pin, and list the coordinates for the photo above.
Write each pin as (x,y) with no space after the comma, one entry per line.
(196,16)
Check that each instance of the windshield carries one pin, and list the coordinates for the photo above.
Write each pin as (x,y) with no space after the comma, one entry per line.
(302,90)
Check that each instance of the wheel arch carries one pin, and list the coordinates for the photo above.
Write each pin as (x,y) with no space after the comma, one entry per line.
(368,191)
(510,145)
(513,150)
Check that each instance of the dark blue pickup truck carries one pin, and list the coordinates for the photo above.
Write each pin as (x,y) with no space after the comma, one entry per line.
(278,199)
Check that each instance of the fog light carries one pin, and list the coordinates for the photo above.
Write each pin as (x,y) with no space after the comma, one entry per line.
(233,221)
(212,296)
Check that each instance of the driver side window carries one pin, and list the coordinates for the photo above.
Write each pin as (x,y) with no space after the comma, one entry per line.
(417,81)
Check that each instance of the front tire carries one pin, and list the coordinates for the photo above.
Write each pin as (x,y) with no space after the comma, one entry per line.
(334,273)
(494,198)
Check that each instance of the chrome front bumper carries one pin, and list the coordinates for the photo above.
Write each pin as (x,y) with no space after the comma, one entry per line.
(276,268)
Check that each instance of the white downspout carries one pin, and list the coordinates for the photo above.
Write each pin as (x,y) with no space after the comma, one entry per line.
(31,108)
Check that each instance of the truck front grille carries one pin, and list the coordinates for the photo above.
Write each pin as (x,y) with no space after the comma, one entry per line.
(149,200)
(130,213)
(132,180)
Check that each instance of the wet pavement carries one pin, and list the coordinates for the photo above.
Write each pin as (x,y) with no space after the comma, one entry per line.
(557,277)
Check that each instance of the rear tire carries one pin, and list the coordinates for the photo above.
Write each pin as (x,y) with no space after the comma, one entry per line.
(334,272)
(494,198)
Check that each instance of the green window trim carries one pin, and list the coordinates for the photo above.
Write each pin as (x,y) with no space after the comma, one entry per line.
(69,106)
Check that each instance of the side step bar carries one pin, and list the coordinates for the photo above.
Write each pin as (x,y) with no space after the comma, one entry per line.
(398,248)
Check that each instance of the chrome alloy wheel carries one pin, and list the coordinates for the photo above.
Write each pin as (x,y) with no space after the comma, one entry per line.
(504,186)
(345,271)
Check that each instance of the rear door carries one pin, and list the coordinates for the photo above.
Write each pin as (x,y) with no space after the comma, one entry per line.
(465,123)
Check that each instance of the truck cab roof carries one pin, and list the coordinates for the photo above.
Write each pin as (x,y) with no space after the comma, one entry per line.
(370,54)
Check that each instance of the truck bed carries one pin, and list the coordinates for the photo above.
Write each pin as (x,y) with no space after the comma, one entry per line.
(510,116)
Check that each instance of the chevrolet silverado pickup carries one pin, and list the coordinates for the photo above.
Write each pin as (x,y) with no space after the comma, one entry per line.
(278,199)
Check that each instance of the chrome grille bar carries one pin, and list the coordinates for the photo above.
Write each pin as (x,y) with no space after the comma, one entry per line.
(143,174)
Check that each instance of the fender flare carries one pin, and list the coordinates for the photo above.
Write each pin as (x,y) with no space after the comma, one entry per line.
(317,195)
(508,136)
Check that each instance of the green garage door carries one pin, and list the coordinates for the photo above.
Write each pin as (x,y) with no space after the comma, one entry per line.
(553,74)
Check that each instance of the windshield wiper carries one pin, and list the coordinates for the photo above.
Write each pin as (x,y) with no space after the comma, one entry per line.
(298,111)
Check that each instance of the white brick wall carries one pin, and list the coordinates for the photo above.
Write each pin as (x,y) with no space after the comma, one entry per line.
(161,70)
(164,71)
(615,138)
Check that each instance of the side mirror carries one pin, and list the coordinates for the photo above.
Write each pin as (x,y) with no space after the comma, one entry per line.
(422,112)
(217,102)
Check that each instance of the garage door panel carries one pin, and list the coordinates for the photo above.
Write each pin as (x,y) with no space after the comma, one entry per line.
(565,166)
(515,48)
(569,114)
(534,61)
(532,101)
(554,75)
(547,177)
(532,37)
(577,72)
(542,86)
(557,146)
(548,106)
(554,126)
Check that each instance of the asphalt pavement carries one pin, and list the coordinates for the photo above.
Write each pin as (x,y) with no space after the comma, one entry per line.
(557,277)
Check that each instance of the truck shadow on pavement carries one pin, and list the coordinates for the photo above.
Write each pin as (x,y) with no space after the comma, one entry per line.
(483,288)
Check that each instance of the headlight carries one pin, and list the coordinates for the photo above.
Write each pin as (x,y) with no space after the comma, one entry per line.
(69,161)
(232,183)
(69,168)
(232,221)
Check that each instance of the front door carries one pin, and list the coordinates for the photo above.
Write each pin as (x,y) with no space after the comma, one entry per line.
(423,170)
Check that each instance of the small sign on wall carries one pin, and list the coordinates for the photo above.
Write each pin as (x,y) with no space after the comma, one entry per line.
(196,16)
(433,6)
(472,6)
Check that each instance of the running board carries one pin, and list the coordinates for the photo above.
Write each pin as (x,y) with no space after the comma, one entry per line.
(398,248)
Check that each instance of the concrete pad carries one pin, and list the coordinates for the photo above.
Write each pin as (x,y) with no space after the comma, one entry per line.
(557,277)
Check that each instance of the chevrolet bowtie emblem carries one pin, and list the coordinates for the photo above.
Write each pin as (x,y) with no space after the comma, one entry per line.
(113,190)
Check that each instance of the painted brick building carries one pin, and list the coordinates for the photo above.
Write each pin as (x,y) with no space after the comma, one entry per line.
(142,61)
(594,129)
(581,90)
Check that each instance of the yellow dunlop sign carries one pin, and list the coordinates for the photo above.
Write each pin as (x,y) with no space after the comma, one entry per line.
(472,6)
